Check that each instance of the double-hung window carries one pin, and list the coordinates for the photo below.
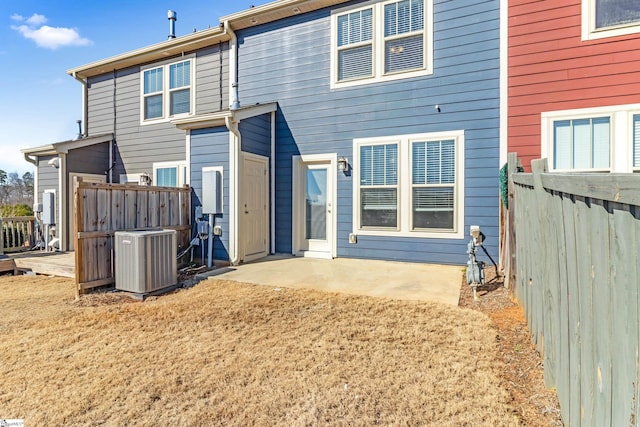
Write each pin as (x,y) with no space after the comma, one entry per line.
(609,18)
(379,186)
(600,139)
(433,178)
(409,185)
(167,90)
(381,41)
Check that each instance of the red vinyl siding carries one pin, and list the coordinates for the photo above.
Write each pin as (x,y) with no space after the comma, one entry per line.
(551,69)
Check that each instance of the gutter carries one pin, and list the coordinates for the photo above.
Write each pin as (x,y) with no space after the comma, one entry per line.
(30,160)
(85,97)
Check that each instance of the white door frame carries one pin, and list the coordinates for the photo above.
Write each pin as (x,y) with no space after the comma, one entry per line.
(297,211)
(242,234)
(71,226)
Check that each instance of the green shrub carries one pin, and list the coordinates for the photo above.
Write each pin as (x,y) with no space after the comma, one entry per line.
(16,210)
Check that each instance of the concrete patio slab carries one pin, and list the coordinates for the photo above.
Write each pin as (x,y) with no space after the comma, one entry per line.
(387,279)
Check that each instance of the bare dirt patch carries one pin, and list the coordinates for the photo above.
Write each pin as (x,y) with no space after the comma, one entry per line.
(225,353)
(522,370)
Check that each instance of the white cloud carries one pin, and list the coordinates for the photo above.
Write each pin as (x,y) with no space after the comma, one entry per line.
(36,20)
(46,36)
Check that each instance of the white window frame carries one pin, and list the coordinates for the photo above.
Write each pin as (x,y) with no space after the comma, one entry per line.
(589,30)
(378,42)
(405,217)
(131,178)
(166,91)
(620,141)
(182,177)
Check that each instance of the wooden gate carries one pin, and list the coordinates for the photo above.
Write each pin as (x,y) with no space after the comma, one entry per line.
(103,209)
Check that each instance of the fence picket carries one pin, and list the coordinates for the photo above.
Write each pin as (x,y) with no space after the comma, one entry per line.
(103,209)
(575,273)
(585,280)
(624,297)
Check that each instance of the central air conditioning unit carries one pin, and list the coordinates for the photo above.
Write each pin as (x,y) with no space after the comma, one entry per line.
(145,261)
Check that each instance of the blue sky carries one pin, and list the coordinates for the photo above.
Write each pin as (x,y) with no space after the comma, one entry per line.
(40,40)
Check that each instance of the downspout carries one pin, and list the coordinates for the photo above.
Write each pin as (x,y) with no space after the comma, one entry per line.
(272,175)
(85,95)
(233,67)
(63,187)
(234,144)
(234,148)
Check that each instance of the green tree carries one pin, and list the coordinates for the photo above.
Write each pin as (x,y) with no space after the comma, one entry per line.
(27,178)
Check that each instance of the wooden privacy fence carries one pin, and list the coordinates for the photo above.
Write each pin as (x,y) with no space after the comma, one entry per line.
(103,209)
(16,233)
(576,275)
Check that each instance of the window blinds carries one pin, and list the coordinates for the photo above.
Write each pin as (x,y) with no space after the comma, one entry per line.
(433,162)
(355,28)
(404,18)
(153,81)
(180,75)
(379,164)
(582,143)
(636,140)
(379,180)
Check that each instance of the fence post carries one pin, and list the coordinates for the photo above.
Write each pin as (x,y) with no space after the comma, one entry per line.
(511,265)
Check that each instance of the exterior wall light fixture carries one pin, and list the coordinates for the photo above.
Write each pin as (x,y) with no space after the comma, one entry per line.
(343,164)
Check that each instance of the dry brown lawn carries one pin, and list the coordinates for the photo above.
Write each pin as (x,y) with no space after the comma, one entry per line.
(226,353)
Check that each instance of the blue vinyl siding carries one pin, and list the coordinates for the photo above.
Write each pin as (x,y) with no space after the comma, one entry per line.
(256,135)
(210,147)
(288,61)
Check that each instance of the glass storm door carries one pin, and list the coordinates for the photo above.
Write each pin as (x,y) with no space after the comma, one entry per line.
(317,209)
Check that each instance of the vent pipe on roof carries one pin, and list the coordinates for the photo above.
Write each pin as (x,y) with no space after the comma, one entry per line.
(173,17)
(235,103)
(79,122)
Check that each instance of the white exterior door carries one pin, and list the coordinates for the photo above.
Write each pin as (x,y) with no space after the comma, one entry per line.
(73,184)
(314,201)
(254,207)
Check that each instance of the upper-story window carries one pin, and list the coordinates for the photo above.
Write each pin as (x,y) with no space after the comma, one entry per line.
(167,90)
(381,41)
(609,18)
